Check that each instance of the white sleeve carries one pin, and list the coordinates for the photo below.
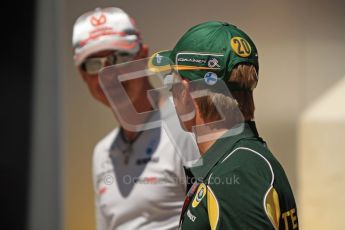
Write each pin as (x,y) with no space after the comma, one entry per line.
(101,223)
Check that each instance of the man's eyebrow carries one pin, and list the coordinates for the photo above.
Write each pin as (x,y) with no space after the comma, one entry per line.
(99,55)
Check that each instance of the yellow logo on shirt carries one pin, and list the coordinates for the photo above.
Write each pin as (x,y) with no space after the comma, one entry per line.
(201,192)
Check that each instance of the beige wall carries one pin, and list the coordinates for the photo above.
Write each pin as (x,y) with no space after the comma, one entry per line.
(321,161)
(301,47)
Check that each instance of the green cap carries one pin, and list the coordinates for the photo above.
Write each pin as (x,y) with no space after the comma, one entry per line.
(208,48)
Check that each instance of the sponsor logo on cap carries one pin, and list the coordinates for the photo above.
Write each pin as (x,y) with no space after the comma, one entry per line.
(199,60)
(241,46)
(210,78)
(193,60)
(159,58)
(212,63)
(97,21)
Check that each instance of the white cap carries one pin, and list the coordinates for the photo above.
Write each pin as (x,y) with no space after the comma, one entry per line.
(104,29)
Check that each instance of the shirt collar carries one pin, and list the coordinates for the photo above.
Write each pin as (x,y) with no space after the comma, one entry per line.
(221,147)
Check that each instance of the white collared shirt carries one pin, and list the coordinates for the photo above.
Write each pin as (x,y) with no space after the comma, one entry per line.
(147,192)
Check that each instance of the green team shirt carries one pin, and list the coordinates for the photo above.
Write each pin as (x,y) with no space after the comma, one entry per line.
(240,185)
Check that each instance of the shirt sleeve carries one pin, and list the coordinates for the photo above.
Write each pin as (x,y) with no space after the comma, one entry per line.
(236,193)
(101,223)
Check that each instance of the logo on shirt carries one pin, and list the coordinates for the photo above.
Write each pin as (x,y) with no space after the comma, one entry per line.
(151,147)
(191,216)
(102,190)
(201,192)
(143,161)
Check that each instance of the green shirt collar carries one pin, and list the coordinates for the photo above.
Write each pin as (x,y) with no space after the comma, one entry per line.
(221,147)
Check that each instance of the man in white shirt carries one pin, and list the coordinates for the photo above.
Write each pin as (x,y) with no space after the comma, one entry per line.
(139,179)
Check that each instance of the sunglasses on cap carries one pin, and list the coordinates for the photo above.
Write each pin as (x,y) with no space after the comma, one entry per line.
(94,64)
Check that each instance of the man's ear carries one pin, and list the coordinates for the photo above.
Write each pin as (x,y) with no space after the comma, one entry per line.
(185,84)
(144,51)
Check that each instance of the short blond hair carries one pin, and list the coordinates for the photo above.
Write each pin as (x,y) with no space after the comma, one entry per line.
(243,75)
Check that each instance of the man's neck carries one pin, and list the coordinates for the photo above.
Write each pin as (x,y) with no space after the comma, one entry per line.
(204,146)
(129,135)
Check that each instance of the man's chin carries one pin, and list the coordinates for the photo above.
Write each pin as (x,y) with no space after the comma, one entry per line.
(102,99)
(187,126)
(104,102)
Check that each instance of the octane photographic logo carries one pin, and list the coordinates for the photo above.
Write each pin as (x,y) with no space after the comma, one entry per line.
(108,179)
(162,102)
(97,21)
(164,178)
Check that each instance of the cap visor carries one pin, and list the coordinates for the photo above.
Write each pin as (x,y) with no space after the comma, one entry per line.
(160,61)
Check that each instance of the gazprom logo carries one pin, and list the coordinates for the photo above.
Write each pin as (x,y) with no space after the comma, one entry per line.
(210,78)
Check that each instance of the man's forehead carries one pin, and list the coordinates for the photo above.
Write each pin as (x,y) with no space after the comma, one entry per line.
(175,74)
(101,53)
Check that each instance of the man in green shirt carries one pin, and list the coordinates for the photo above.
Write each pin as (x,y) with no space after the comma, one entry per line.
(239,184)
